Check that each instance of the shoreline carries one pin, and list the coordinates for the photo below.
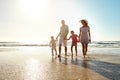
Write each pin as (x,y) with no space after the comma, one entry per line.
(36,63)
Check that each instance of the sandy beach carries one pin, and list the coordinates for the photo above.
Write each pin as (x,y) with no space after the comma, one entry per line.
(36,63)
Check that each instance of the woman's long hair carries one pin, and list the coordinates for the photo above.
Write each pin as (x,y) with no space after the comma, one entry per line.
(84,22)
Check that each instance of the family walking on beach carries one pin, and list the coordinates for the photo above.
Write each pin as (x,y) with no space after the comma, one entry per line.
(84,37)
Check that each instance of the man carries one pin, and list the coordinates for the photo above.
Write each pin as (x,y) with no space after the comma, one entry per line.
(63,36)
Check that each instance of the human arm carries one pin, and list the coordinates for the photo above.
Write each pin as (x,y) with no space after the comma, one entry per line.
(68,38)
(58,35)
(89,35)
(77,38)
(80,35)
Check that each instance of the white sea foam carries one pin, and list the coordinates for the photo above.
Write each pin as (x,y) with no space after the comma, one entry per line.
(96,44)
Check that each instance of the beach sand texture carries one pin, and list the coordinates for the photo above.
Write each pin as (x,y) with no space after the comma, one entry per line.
(36,63)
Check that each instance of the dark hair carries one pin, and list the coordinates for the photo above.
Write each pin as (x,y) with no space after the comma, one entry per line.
(52,37)
(72,31)
(84,21)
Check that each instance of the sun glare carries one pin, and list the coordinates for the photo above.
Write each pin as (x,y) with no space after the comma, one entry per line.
(32,69)
(34,7)
(32,42)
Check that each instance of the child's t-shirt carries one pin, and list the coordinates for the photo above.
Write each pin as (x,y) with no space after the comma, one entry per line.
(74,38)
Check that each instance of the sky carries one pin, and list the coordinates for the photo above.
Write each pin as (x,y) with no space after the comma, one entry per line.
(37,20)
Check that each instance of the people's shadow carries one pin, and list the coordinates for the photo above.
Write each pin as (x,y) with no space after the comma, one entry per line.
(106,69)
(63,60)
(109,70)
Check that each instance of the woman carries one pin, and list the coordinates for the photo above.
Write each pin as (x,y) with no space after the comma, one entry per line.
(84,36)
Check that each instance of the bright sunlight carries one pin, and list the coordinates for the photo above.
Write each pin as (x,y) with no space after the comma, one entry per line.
(34,7)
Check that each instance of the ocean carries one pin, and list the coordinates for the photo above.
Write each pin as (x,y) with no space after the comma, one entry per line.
(94,44)
(96,47)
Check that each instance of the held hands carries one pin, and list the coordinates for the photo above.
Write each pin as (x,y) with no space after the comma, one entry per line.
(56,38)
(66,38)
(78,39)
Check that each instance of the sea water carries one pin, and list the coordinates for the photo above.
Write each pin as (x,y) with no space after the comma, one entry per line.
(108,47)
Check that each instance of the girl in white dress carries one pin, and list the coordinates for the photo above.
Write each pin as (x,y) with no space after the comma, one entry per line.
(84,36)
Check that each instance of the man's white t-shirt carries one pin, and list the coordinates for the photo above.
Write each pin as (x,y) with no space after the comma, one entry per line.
(64,30)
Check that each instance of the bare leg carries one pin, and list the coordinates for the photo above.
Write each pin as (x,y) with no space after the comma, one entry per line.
(52,52)
(83,49)
(76,48)
(86,45)
(55,51)
(65,51)
(59,50)
(72,49)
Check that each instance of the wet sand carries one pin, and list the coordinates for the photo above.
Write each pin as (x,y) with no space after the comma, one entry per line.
(36,63)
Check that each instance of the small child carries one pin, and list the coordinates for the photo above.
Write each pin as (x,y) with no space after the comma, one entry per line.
(53,45)
(74,38)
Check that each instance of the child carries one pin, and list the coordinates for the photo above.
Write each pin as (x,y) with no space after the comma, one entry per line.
(53,45)
(74,38)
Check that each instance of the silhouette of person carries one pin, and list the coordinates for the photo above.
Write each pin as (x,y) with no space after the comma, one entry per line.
(62,37)
(84,36)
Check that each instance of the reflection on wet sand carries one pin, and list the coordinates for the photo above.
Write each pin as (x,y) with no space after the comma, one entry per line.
(32,69)
(85,70)
(38,64)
